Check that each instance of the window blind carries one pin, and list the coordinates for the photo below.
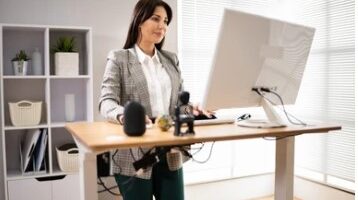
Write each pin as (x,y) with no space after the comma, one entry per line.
(327,90)
(198,30)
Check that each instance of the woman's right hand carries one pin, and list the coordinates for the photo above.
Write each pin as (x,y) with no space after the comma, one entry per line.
(120,118)
(197,110)
(147,119)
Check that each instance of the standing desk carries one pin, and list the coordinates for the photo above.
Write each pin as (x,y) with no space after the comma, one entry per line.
(94,138)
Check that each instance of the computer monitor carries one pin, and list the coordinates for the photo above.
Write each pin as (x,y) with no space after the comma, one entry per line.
(253,52)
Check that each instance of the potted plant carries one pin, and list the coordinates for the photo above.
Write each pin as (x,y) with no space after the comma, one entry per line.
(66,57)
(20,62)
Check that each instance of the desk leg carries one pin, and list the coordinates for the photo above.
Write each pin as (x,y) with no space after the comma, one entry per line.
(88,175)
(284,168)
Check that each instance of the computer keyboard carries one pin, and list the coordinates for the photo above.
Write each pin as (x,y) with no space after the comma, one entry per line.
(213,121)
(204,117)
(201,120)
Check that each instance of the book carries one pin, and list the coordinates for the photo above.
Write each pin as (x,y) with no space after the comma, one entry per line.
(27,149)
(40,151)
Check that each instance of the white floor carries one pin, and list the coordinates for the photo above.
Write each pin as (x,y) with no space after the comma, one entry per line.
(261,186)
(252,188)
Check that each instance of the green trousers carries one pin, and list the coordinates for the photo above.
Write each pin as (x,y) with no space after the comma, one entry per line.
(164,184)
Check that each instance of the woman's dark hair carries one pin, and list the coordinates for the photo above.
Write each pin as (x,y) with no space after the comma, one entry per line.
(143,10)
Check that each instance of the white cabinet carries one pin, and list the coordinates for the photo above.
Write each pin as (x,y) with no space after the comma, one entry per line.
(68,188)
(29,189)
(51,90)
(55,188)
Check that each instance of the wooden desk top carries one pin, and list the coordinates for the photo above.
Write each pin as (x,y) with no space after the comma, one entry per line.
(103,136)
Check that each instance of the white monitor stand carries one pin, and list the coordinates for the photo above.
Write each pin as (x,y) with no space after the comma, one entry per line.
(274,119)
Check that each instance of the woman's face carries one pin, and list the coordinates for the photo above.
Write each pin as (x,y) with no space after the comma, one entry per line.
(155,27)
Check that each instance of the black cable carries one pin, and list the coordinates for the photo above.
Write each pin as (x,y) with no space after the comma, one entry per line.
(284,110)
(206,160)
(194,148)
(131,151)
(107,189)
(110,188)
(115,162)
(114,153)
(129,181)
(132,177)
(198,149)
(141,150)
(146,153)
(258,91)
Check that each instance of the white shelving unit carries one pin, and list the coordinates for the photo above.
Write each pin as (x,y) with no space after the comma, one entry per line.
(51,90)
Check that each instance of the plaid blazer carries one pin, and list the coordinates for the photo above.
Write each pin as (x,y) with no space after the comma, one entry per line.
(124,81)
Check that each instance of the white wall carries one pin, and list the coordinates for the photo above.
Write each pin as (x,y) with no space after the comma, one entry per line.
(109,20)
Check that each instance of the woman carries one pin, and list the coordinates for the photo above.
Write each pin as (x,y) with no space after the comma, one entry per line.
(145,73)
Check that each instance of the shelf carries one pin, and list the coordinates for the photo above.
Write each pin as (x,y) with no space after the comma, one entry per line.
(59,89)
(16,90)
(70,77)
(17,175)
(58,172)
(44,77)
(24,77)
(52,90)
(58,124)
(25,127)
(61,124)
(21,38)
(11,27)
(82,46)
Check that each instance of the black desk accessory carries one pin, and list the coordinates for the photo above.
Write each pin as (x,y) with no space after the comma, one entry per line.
(134,119)
(184,114)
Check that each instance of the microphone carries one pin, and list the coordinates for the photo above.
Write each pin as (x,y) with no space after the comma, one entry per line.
(184,97)
(134,119)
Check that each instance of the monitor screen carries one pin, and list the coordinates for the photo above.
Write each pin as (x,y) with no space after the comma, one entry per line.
(255,51)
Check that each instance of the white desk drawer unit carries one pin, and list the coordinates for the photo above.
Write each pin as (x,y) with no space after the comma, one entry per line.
(54,188)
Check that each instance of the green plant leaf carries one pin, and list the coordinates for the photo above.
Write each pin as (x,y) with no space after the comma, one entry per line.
(64,44)
(21,56)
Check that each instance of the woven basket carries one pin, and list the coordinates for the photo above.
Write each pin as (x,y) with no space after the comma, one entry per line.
(25,113)
(67,157)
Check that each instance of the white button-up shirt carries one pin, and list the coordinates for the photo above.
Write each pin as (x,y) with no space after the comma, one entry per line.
(158,81)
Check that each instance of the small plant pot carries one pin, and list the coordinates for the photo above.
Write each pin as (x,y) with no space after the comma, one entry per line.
(66,64)
(20,68)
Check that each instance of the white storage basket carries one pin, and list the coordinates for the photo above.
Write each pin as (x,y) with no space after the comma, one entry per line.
(67,158)
(25,113)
